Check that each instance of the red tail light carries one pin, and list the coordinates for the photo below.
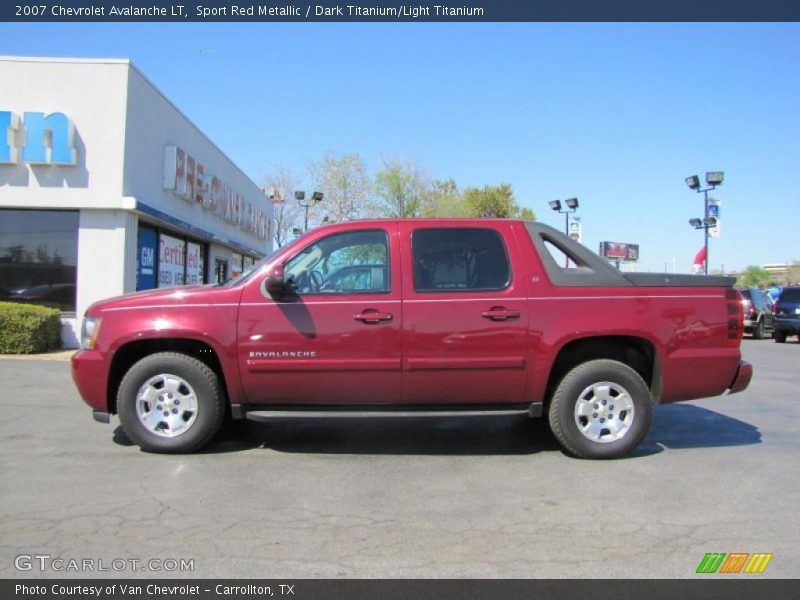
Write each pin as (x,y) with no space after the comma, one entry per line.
(774,308)
(751,312)
(733,300)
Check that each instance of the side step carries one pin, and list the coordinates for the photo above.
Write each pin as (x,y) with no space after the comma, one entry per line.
(290,415)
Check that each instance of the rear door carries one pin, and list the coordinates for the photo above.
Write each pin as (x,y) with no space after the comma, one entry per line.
(465,315)
(336,339)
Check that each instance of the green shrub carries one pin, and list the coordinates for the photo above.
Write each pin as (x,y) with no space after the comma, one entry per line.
(27,328)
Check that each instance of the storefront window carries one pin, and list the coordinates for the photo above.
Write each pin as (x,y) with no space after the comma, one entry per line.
(172,258)
(220,270)
(177,262)
(236,264)
(39,257)
(194,264)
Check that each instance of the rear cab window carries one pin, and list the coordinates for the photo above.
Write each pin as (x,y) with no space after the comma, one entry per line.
(790,295)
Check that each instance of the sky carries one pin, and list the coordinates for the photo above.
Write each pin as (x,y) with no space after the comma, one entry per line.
(617,115)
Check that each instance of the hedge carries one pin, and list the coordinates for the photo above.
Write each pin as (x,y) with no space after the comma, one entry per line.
(27,328)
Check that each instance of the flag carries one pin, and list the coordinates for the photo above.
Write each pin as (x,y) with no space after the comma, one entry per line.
(699,261)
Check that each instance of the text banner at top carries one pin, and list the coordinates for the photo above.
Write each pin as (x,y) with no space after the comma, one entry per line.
(397,11)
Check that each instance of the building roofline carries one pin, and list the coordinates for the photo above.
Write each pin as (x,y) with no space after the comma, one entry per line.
(147,80)
(128,62)
(55,59)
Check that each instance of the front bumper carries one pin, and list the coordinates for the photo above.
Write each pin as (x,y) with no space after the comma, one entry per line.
(90,374)
(742,378)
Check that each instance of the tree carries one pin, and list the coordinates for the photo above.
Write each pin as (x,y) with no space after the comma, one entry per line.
(754,276)
(792,276)
(401,188)
(495,201)
(445,200)
(346,186)
(280,184)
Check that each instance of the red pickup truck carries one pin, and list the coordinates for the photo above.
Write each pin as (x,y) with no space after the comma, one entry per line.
(393,318)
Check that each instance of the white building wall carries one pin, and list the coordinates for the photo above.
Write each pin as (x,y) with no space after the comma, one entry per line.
(122,125)
(153,123)
(106,246)
(92,94)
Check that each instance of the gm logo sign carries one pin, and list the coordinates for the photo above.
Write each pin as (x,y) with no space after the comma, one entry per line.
(733,563)
(49,139)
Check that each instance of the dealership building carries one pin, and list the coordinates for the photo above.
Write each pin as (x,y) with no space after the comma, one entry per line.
(107,188)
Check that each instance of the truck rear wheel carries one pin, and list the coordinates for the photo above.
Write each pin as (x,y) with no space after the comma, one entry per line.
(171,403)
(601,409)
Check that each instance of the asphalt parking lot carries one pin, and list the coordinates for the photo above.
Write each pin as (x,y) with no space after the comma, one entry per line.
(457,498)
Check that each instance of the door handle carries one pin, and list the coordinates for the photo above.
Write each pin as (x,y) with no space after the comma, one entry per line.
(370,316)
(500,313)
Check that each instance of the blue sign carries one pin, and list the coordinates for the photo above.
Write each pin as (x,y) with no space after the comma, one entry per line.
(50,140)
(146,259)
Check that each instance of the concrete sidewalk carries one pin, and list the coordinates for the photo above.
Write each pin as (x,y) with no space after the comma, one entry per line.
(62,355)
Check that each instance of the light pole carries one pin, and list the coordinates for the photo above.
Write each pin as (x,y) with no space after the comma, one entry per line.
(572,206)
(713,179)
(315,198)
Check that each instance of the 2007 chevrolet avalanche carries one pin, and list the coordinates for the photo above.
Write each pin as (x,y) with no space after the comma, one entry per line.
(415,317)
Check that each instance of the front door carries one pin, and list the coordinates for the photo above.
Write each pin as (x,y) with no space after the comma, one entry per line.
(335,339)
(465,316)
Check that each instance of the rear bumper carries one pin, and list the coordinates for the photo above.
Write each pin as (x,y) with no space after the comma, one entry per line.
(788,325)
(742,379)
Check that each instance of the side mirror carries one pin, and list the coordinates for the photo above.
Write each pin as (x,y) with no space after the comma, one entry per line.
(275,284)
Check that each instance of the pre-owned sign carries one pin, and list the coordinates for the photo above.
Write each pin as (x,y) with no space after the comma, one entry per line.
(188,179)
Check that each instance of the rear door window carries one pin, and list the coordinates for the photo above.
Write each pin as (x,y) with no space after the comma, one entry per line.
(459,260)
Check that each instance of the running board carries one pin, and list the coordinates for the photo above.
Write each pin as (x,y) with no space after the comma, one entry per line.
(289,415)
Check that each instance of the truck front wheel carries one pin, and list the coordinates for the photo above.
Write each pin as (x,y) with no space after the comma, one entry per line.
(171,403)
(601,409)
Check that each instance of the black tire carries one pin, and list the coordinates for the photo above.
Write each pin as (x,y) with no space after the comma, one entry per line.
(758,331)
(195,425)
(573,388)
(780,336)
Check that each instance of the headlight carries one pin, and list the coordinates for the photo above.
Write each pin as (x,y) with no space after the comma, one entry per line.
(89,330)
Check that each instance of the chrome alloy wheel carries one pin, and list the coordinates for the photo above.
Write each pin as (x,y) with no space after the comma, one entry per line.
(604,412)
(166,405)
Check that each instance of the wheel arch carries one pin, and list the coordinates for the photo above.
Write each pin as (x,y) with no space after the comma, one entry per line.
(638,353)
(131,352)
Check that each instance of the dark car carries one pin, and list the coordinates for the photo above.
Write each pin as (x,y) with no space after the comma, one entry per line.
(58,295)
(787,314)
(758,317)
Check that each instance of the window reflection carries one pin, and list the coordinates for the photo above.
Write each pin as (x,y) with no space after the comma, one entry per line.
(39,257)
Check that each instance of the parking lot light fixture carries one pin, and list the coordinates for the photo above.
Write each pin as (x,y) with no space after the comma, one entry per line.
(572,206)
(300,195)
(713,179)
